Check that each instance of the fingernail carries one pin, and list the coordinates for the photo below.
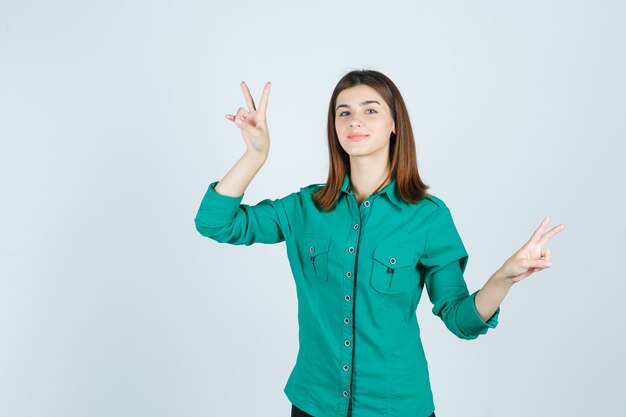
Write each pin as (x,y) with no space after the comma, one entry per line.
(238,121)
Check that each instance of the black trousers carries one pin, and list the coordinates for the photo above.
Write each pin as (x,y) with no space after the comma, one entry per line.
(296,412)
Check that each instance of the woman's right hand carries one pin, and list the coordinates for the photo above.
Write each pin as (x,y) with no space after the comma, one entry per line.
(252,122)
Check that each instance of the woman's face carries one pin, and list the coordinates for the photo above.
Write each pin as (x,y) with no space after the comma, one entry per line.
(361,110)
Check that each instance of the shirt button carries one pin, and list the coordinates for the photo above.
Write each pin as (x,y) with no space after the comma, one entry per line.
(351,249)
(356,226)
(311,249)
(346,320)
(348,274)
(346,367)
(392,261)
(345,393)
(347,298)
(347,343)
(367,204)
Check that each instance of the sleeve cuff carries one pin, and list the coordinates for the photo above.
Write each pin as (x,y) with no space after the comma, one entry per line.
(470,322)
(219,203)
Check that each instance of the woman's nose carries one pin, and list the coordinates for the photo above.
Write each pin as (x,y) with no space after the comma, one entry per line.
(355,122)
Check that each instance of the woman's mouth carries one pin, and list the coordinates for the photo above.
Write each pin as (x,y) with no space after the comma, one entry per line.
(357,138)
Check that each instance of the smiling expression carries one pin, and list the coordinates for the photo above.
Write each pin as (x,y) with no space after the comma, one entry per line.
(363,121)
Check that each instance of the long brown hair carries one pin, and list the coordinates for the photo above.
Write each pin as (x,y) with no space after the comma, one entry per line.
(401,148)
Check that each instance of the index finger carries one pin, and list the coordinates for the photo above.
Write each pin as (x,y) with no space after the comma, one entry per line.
(537,234)
(265,96)
(248,96)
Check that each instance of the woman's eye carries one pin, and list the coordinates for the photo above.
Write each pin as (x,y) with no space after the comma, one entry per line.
(341,114)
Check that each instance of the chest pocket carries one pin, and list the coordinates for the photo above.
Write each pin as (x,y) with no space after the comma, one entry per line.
(394,269)
(315,257)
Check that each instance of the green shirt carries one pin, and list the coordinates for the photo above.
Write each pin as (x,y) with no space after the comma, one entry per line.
(359,272)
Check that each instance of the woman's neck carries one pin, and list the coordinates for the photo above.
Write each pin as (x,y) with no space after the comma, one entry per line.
(364,180)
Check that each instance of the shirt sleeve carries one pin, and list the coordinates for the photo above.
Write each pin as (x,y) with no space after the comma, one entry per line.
(224,219)
(444,261)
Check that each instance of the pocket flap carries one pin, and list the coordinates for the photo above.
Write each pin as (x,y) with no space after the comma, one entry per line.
(316,245)
(394,256)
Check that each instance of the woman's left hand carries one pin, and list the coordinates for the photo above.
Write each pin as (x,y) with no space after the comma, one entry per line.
(532,257)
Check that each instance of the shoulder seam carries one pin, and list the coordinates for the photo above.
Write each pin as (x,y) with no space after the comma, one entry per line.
(311,186)
(437,201)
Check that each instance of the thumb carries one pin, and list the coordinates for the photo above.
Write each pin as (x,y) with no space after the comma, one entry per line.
(245,125)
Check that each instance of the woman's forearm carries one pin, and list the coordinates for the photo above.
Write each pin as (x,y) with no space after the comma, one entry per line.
(490,296)
(236,180)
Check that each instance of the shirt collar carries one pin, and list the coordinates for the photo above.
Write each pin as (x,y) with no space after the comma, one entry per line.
(390,190)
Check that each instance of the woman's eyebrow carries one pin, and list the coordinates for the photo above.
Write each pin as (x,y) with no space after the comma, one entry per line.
(363,103)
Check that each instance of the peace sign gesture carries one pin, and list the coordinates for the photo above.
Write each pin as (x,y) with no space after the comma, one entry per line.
(532,257)
(252,122)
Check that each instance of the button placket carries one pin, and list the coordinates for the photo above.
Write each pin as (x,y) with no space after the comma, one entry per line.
(348,308)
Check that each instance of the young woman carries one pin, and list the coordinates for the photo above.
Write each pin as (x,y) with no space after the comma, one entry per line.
(362,247)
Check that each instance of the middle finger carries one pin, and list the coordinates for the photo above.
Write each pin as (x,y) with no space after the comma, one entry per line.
(248,96)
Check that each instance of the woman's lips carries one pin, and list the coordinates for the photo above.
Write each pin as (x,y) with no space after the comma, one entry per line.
(357,138)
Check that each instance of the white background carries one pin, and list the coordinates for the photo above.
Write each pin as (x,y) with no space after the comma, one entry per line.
(112,126)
